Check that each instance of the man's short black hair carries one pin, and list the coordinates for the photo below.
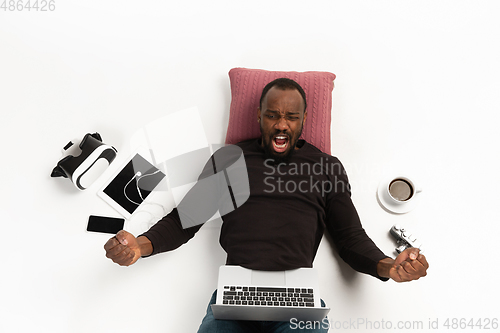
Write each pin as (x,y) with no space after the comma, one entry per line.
(283,84)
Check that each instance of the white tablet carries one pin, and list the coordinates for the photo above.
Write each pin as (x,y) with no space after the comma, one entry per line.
(131,185)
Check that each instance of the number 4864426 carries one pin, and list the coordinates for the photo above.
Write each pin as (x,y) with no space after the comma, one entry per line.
(463,323)
(28,5)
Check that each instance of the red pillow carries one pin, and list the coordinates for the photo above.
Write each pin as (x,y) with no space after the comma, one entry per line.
(246,88)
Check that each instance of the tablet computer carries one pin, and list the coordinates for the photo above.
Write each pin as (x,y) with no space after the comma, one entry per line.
(131,185)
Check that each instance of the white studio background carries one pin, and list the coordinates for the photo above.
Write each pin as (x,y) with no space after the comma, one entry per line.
(416,90)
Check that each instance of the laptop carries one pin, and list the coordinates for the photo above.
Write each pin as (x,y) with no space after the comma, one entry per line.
(245,294)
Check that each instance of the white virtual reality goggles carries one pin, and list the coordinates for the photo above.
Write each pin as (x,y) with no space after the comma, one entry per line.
(84,163)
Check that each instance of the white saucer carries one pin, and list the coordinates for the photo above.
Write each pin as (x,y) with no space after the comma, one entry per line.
(391,207)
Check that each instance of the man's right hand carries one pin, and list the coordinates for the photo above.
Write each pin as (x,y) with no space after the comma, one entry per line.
(124,249)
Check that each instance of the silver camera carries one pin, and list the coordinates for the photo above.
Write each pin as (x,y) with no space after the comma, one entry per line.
(404,239)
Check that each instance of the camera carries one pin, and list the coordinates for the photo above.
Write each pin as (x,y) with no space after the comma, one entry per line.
(404,239)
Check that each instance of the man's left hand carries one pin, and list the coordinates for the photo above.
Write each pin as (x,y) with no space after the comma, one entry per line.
(409,265)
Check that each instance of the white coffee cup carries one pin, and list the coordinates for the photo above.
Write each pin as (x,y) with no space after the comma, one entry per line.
(401,190)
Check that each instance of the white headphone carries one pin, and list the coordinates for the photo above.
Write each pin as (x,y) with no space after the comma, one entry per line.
(139,176)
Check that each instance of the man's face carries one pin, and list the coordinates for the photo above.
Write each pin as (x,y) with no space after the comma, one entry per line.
(281,120)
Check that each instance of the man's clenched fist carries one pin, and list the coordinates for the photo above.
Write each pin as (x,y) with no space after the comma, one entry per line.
(123,249)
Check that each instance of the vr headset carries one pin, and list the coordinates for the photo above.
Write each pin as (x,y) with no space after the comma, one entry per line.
(84,165)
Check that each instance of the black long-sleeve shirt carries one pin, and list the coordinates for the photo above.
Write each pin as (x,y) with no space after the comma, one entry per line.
(281,224)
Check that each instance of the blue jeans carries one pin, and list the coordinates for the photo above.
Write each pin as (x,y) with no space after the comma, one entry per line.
(212,325)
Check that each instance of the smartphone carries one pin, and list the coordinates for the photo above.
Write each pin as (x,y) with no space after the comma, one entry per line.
(109,225)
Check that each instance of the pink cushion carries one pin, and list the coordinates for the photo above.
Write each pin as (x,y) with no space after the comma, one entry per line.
(246,88)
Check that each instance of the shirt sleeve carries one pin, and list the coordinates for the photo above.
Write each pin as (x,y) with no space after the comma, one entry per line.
(200,203)
(343,224)
(168,233)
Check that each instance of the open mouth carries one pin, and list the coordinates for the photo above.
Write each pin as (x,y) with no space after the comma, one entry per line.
(280,143)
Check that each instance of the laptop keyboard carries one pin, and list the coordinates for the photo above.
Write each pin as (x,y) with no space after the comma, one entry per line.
(268,296)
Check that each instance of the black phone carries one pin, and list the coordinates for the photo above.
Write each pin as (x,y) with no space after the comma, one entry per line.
(109,225)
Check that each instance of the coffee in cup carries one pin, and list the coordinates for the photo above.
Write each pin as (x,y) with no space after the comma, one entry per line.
(398,194)
(401,189)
